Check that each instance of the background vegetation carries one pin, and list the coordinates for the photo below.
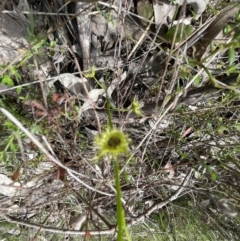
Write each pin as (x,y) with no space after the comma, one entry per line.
(115,128)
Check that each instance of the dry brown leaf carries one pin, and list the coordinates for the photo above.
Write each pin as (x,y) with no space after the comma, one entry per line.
(168,168)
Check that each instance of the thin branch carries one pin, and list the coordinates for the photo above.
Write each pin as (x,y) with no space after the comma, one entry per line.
(160,204)
(94,210)
(56,230)
(44,150)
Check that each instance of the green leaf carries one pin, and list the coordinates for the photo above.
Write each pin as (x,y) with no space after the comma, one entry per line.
(91,73)
(238,17)
(136,107)
(228,29)
(7,80)
(181,31)
(145,9)
(13,147)
(231,55)
(127,177)
(238,127)
(76,108)
(236,35)
(213,176)
(19,89)
(175,2)
(209,125)
(197,81)
(9,125)
(3,156)
(14,72)
(231,69)
(221,129)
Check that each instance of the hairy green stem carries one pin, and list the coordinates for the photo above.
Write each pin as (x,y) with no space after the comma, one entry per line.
(121,224)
